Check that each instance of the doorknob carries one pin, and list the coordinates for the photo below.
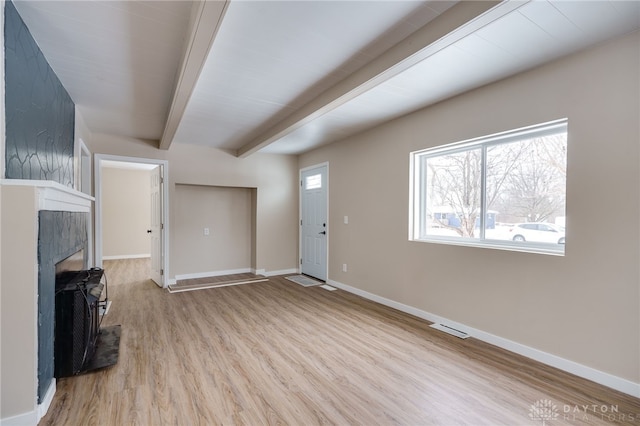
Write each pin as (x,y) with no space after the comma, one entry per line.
(323,232)
(148,231)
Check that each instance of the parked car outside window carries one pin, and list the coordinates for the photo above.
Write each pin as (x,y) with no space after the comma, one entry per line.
(538,232)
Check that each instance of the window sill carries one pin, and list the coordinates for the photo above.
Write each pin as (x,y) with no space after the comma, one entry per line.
(535,248)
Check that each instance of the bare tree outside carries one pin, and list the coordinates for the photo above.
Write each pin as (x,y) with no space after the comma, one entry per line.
(534,187)
(455,189)
(525,182)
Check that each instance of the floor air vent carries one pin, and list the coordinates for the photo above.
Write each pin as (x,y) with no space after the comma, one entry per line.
(450,330)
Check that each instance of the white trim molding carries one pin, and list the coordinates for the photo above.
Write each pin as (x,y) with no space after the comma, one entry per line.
(83,170)
(43,407)
(264,272)
(33,417)
(54,196)
(99,159)
(280,272)
(605,379)
(30,418)
(213,274)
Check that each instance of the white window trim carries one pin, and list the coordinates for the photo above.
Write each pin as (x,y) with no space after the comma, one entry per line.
(416,202)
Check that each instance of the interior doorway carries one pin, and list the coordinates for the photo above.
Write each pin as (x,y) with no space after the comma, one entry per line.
(158,222)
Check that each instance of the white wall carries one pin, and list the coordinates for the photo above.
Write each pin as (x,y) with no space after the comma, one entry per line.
(126,213)
(583,307)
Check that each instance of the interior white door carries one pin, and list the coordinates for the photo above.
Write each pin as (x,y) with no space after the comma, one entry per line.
(156,226)
(313,222)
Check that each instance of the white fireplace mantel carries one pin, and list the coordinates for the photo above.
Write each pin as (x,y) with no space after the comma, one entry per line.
(54,196)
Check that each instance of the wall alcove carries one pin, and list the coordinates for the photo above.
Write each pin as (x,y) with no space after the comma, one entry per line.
(217,226)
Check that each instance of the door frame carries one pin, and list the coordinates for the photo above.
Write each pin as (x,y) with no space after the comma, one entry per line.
(98,160)
(300,189)
(83,170)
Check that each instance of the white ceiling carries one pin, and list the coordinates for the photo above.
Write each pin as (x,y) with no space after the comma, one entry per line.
(287,76)
(117,59)
(533,34)
(271,57)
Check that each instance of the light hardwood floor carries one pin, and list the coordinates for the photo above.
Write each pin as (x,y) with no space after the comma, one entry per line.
(279,353)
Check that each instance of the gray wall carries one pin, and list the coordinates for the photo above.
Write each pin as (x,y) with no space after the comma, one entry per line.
(40,115)
(39,145)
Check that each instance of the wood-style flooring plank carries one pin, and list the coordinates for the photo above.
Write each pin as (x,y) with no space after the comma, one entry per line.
(278,353)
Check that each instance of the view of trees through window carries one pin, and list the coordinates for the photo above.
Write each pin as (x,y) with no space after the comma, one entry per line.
(517,181)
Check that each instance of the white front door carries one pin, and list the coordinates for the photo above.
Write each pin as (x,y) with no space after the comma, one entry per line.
(313,222)
(156,226)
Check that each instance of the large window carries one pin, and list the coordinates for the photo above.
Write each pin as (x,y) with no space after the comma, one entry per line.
(504,191)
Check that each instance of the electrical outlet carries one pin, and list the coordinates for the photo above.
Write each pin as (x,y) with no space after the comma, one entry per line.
(206,231)
(344,267)
(346,220)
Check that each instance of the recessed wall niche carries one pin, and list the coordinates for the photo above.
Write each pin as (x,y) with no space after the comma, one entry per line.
(228,214)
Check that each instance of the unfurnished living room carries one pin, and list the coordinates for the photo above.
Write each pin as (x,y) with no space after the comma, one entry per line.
(320,212)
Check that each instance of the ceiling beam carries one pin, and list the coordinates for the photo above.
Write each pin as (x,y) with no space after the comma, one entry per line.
(206,19)
(453,25)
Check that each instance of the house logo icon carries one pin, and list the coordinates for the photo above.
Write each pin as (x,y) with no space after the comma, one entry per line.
(543,410)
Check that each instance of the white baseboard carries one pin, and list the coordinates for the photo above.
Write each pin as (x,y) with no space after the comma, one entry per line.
(127,256)
(33,417)
(43,407)
(213,274)
(606,379)
(280,272)
(30,418)
(173,281)
(213,285)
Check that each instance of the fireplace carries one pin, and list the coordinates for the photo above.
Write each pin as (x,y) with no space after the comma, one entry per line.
(62,244)
(78,304)
(28,286)
(68,267)
(81,300)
